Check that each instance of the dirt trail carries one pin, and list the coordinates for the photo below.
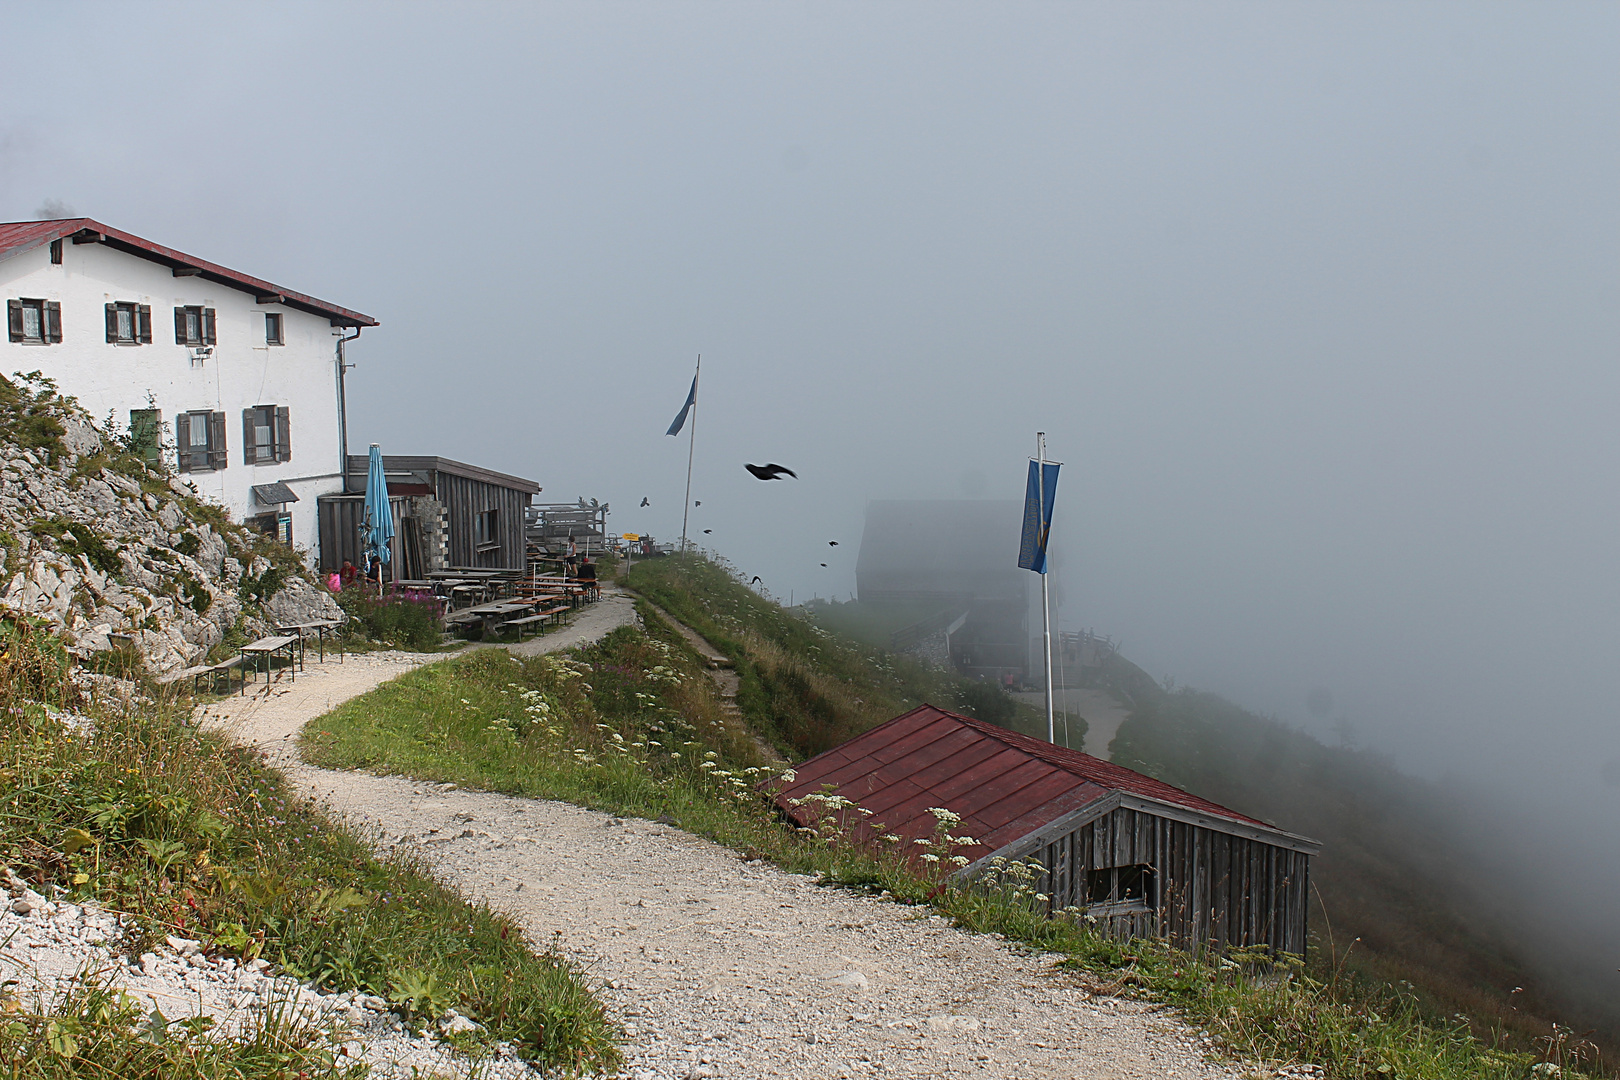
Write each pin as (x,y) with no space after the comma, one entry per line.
(720,967)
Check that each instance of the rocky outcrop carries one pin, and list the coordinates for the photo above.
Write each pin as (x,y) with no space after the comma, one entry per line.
(109,554)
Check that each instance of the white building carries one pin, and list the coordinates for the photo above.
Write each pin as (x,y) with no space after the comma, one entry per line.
(236,381)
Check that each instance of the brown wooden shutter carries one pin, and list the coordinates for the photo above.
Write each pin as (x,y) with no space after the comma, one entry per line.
(208,326)
(249,444)
(14,319)
(217,457)
(143,324)
(179,326)
(182,442)
(283,434)
(53,321)
(112,323)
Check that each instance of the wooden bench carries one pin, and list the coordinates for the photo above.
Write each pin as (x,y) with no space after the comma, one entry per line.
(553,614)
(211,672)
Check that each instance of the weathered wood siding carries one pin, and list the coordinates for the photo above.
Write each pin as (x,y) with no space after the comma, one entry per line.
(465,499)
(1212,888)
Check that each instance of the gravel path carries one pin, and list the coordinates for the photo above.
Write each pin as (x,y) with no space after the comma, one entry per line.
(725,968)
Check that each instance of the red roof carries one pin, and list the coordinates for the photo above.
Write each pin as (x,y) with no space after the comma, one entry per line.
(1003,785)
(19,236)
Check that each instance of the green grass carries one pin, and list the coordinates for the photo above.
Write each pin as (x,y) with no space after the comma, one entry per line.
(627,725)
(804,687)
(196,837)
(91,1029)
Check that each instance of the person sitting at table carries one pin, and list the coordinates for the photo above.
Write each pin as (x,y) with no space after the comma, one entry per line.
(587,571)
(348,573)
(374,571)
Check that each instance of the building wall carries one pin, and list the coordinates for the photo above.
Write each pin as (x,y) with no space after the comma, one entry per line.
(1212,888)
(464,499)
(243,371)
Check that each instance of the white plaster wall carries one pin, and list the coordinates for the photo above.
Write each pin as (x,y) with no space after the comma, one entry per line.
(242,372)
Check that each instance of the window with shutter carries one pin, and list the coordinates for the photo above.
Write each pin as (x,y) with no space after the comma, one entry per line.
(123,324)
(144,320)
(283,433)
(34,322)
(193,326)
(56,252)
(200,441)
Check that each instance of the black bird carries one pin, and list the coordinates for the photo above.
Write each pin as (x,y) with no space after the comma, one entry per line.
(708,530)
(832,543)
(823,564)
(770,472)
(698,503)
(644,500)
(755,581)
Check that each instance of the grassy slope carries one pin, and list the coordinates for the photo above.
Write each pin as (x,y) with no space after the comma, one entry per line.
(196,837)
(1390,876)
(803,687)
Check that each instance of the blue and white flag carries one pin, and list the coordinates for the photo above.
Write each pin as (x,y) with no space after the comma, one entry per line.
(680,418)
(1038,515)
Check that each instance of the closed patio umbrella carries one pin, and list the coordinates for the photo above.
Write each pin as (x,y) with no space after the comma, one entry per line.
(378,529)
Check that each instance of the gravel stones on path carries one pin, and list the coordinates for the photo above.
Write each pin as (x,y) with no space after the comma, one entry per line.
(721,967)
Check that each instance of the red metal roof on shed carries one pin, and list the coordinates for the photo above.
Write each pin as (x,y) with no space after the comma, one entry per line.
(20,236)
(1003,784)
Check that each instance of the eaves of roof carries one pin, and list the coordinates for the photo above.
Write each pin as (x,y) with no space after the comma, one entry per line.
(19,236)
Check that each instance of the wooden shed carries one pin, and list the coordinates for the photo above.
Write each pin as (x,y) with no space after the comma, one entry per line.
(446,514)
(1144,858)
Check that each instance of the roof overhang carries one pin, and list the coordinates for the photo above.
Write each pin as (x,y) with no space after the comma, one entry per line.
(273,494)
(1121,800)
(402,464)
(17,237)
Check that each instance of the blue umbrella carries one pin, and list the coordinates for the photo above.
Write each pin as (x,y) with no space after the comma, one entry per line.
(378,529)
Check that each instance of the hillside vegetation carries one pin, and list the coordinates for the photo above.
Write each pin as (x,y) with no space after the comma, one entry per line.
(804,687)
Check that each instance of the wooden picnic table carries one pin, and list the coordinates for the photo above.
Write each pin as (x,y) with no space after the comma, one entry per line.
(320,628)
(484,613)
(268,647)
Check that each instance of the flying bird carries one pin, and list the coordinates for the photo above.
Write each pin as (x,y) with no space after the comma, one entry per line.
(644,500)
(708,530)
(770,472)
(755,581)
(698,503)
(823,564)
(832,543)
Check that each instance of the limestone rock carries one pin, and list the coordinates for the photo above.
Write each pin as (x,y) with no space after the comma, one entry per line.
(298,601)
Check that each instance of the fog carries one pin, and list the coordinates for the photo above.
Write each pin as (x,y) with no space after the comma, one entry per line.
(1317,303)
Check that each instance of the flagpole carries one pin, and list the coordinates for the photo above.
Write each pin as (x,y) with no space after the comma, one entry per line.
(1046,605)
(691,447)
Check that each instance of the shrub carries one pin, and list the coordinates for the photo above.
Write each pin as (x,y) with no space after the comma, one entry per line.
(398,618)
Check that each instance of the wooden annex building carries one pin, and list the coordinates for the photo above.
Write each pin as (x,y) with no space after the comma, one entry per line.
(1144,858)
(446,514)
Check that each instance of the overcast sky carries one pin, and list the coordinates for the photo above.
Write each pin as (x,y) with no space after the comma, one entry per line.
(1317,302)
